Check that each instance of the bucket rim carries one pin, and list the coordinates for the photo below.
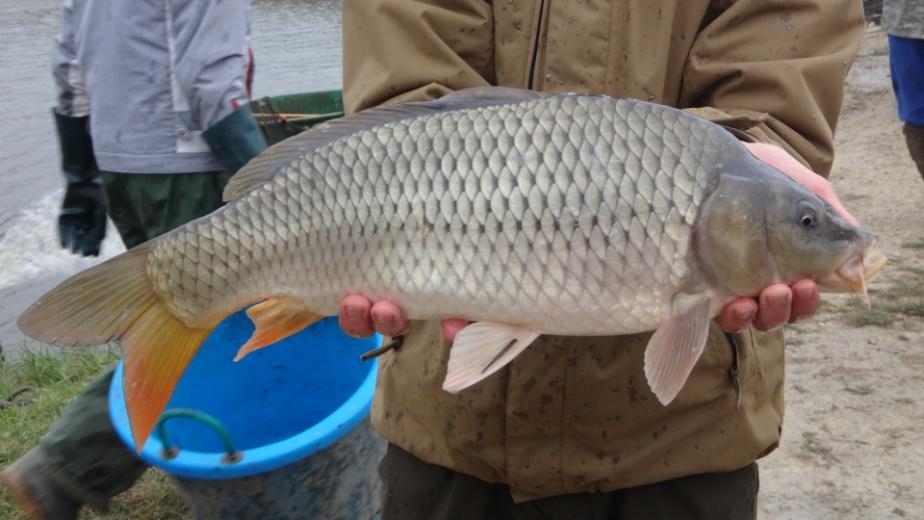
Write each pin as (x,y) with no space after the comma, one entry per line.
(208,465)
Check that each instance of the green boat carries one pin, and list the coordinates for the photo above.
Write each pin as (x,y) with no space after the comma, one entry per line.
(283,116)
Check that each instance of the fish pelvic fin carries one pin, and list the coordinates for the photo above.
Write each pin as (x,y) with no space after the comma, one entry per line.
(481,349)
(275,319)
(675,348)
(116,301)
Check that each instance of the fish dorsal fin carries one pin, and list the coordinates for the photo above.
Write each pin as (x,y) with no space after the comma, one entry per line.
(482,348)
(489,96)
(675,347)
(263,167)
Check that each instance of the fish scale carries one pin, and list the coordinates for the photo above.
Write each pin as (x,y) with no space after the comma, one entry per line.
(569,214)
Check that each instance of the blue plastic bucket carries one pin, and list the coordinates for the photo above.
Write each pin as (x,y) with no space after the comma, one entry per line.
(296,415)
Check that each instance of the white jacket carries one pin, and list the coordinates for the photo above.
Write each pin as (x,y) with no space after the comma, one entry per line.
(152,75)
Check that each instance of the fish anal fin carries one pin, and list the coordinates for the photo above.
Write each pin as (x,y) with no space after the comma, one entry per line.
(481,349)
(157,348)
(675,347)
(276,319)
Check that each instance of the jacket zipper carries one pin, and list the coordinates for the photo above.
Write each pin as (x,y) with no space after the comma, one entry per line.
(535,50)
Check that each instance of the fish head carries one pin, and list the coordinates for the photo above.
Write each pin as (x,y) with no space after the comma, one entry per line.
(762,229)
(810,240)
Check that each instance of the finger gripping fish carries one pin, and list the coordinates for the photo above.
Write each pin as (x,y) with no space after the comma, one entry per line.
(526,213)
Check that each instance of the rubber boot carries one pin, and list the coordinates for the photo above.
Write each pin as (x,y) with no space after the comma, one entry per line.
(236,139)
(914,136)
(35,492)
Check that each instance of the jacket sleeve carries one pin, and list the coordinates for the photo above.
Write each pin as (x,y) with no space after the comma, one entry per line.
(211,53)
(441,46)
(72,95)
(776,70)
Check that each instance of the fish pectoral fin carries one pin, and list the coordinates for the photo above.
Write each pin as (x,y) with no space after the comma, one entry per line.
(674,349)
(276,319)
(482,348)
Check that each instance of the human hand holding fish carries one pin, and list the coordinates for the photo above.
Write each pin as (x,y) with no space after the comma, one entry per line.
(776,305)
(525,213)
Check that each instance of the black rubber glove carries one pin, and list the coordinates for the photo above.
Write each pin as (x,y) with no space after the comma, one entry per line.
(82,222)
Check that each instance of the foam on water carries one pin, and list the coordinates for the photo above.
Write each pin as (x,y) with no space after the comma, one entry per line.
(29,245)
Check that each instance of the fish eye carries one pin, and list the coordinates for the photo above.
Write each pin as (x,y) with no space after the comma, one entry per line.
(808,220)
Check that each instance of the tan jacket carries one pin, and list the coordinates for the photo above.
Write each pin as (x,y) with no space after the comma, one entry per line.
(575,414)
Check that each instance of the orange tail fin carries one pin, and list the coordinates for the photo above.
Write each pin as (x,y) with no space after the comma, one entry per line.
(116,301)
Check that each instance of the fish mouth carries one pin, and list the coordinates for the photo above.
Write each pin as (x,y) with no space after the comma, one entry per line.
(852,276)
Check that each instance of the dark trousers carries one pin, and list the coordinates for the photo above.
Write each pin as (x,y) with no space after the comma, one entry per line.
(415,490)
(81,451)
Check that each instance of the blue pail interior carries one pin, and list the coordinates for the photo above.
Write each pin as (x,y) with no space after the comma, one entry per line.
(279,404)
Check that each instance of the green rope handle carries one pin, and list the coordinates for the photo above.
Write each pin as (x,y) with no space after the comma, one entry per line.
(231,455)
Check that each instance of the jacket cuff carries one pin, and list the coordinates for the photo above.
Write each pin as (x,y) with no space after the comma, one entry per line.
(742,125)
(236,139)
(427,92)
(747,125)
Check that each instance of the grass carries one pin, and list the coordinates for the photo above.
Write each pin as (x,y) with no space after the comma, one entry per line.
(59,377)
(862,317)
(908,309)
(859,389)
(914,270)
(903,297)
(917,244)
(814,449)
(874,318)
(910,290)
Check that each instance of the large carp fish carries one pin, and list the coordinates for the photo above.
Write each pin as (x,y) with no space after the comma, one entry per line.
(526,213)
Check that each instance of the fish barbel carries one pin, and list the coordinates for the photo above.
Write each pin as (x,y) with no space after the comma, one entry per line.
(526,213)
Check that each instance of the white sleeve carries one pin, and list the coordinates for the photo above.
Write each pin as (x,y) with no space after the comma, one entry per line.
(72,95)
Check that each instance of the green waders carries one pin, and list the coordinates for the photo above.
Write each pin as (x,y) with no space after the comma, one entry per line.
(81,452)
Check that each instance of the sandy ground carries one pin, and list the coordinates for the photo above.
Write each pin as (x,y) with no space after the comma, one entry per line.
(853,439)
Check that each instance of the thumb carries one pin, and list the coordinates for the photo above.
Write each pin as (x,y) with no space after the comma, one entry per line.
(452,326)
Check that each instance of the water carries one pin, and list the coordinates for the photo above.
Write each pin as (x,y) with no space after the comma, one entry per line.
(296,47)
